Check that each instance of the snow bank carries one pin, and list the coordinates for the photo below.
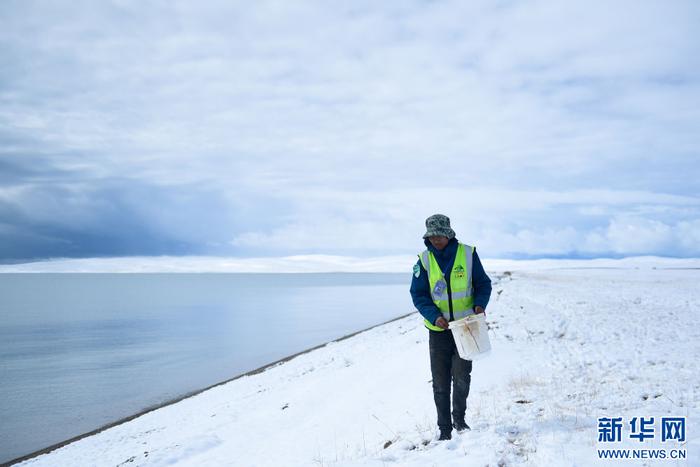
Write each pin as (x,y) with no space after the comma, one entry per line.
(636,262)
(569,346)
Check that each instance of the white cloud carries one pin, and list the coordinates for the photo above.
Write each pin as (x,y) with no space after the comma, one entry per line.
(631,235)
(499,222)
(541,127)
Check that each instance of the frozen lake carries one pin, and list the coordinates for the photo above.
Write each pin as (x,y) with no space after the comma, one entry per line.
(78,351)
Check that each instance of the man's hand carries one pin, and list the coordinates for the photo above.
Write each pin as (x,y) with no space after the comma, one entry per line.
(441,323)
(478,309)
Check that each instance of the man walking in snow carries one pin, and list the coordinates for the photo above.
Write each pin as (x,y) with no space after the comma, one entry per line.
(448,283)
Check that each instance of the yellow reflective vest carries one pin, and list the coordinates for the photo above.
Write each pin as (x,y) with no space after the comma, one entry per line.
(457,301)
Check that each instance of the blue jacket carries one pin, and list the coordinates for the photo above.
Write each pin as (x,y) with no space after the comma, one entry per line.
(420,287)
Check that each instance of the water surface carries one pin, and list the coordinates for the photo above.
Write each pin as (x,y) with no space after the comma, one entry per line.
(78,351)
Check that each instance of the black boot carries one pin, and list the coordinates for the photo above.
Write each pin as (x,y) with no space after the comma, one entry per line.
(461,426)
(445,435)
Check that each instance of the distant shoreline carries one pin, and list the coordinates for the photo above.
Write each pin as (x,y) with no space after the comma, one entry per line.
(326,264)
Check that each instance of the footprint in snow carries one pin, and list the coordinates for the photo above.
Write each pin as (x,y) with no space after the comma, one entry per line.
(452,444)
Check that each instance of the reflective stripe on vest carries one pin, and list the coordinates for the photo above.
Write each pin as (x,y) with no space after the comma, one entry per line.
(460,284)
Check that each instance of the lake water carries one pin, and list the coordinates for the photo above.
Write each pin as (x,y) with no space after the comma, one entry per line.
(78,351)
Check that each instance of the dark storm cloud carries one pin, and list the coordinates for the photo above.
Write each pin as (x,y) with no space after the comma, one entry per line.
(118,217)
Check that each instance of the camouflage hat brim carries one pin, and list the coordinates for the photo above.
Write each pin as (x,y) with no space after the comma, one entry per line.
(440,232)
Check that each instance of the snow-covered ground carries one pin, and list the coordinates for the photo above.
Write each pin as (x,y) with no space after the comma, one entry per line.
(569,346)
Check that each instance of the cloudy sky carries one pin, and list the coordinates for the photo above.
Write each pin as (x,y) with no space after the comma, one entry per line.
(269,128)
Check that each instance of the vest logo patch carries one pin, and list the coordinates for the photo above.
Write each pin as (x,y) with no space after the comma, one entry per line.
(458,272)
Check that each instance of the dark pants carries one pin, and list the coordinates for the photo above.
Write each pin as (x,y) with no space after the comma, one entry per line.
(448,369)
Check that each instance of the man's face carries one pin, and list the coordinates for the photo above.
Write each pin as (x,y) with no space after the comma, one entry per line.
(438,242)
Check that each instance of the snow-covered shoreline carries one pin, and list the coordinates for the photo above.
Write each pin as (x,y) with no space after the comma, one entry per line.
(570,345)
(318,264)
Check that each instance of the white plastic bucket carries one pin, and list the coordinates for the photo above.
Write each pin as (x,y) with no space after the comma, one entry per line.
(471,336)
